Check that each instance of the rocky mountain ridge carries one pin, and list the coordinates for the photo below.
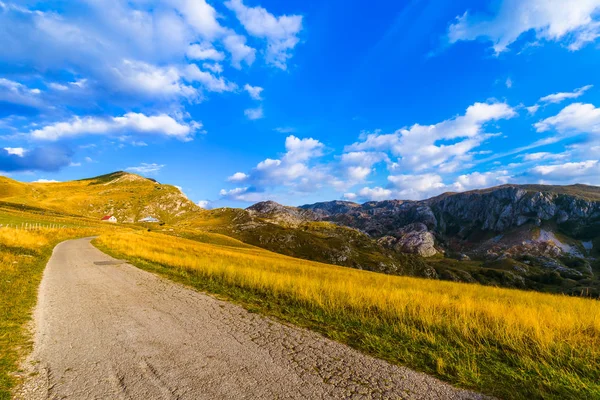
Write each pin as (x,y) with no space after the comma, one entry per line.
(520,235)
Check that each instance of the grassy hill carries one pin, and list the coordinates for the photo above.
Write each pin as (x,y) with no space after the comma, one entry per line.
(127,196)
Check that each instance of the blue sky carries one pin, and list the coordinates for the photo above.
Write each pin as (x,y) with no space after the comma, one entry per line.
(240,101)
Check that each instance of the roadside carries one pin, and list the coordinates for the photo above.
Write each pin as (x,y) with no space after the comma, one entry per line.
(106,329)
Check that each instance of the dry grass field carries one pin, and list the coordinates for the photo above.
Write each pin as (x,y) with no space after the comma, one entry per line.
(23,256)
(508,343)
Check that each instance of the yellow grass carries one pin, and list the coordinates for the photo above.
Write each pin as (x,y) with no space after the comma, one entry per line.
(23,255)
(536,344)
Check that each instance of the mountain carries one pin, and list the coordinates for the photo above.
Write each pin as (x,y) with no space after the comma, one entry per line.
(537,232)
(296,232)
(536,237)
(129,197)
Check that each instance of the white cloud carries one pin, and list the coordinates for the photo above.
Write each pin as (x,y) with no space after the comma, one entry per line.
(201,16)
(293,170)
(237,177)
(350,196)
(281,32)
(254,91)
(214,67)
(508,83)
(284,129)
(204,51)
(536,156)
(421,147)
(80,83)
(161,124)
(375,194)
(553,20)
(239,50)
(57,86)
(533,109)
(587,172)
(356,166)
(559,97)
(254,113)
(75,164)
(481,180)
(16,151)
(206,204)
(210,82)
(574,118)
(146,168)
(147,79)
(16,93)
(42,180)
(415,187)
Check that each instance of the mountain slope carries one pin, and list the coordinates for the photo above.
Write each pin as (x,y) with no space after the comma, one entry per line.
(532,235)
(127,196)
(294,232)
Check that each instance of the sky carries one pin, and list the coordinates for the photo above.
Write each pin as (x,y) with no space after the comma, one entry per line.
(241,101)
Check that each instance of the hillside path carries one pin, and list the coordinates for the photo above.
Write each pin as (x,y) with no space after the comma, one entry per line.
(107,330)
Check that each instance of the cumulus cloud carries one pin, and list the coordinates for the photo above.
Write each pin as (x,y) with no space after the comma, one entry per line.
(206,204)
(587,172)
(375,194)
(575,25)
(204,51)
(356,166)
(209,81)
(146,168)
(414,187)
(238,177)
(481,180)
(161,124)
(138,50)
(254,113)
(240,51)
(444,144)
(281,33)
(254,91)
(293,170)
(574,118)
(50,158)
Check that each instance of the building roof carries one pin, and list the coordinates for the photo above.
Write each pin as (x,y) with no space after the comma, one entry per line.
(149,219)
(106,217)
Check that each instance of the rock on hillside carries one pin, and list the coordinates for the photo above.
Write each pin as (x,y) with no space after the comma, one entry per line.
(282,215)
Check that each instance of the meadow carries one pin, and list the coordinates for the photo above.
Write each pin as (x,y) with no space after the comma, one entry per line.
(503,342)
(23,256)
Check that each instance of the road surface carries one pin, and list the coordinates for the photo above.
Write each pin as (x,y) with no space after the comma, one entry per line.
(107,330)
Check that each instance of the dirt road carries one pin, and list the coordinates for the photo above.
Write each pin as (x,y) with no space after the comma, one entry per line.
(107,330)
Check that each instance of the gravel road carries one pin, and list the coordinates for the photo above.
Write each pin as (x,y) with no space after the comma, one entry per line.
(107,330)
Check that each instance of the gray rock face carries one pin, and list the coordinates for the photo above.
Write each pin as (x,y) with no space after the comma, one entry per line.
(413,239)
(496,209)
(275,212)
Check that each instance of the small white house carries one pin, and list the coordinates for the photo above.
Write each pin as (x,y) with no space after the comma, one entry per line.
(150,220)
(109,218)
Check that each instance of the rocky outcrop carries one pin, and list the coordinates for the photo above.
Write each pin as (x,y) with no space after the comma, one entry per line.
(413,239)
(280,214)
(463,216)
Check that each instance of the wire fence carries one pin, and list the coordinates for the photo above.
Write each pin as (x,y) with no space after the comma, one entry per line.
(33,226)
